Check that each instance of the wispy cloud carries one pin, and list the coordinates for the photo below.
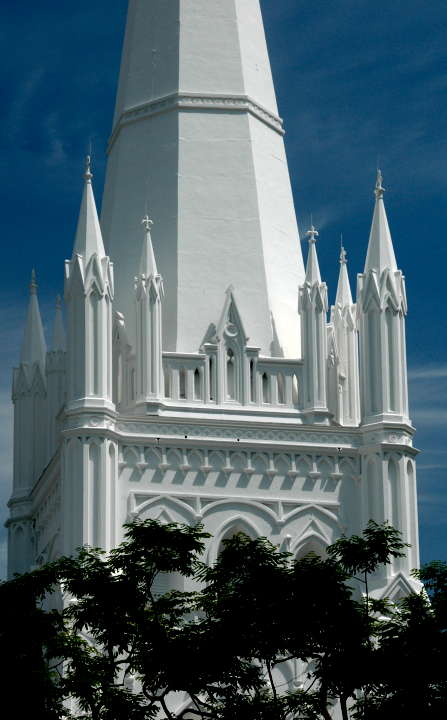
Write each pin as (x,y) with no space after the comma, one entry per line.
(56,154)
(21,104)
(428,372)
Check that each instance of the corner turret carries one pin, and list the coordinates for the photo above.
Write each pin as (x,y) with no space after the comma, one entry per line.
(313,308)
(89,295)
(382,306)
(344,391)
(148,295)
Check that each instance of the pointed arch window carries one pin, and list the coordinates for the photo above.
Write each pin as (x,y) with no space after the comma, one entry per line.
(231,375)
(212,377)
(167,379)
(182,384)
(252,381)
(197,384)
(238,526)
(265,388)
(281,389)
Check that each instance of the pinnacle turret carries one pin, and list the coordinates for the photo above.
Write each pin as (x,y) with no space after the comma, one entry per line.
(380,247)
(313,274)
(344,295)
(148,265)
(88,239)
(59,342)
(33,346)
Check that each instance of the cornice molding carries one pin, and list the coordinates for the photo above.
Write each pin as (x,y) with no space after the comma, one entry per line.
(197,101)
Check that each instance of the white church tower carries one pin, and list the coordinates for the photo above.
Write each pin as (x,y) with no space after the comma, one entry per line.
(202,380)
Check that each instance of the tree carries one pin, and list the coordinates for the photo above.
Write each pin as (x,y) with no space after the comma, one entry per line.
(120,649)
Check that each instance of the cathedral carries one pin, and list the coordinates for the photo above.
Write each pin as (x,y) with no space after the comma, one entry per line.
(197,372)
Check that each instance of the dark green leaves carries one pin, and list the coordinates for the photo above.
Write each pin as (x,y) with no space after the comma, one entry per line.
(263,637)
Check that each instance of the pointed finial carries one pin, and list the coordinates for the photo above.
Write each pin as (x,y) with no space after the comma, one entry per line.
(379,189)
(312,234)
(343,256)
(88,169)
(33,283)
(147,223)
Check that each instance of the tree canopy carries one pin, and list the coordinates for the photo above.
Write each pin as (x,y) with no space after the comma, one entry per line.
(263,636)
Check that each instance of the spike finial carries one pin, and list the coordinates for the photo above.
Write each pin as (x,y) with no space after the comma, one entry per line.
(88,169)
(343,256)
(379,189)
(147,223)
(33,283)
(312,234)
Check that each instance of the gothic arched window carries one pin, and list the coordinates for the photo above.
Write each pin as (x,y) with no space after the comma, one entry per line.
(231,375)
(265,388)
(197,384)
(182,384)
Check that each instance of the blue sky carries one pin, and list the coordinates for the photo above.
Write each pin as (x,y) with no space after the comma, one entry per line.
(358,84)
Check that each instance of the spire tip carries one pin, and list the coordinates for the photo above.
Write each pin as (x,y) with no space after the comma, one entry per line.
(88,169)
(312,234)
(33,283)
(379,189)
(147,223)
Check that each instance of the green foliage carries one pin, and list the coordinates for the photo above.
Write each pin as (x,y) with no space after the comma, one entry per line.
(363,554)
(113,648)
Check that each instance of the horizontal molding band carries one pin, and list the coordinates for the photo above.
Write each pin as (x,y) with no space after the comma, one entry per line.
(197,101)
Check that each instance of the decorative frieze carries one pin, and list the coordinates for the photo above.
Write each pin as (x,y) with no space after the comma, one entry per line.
(191,101)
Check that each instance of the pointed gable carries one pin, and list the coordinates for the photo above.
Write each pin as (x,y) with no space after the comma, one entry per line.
(230,323)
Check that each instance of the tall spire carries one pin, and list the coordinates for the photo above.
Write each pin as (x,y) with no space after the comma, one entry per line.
(148,265)
(88,234)
(380,248)
(33,346)
(344,295)
(59,343)
(197,131)
(313,268)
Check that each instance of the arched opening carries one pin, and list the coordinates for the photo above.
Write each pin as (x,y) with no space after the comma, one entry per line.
(237,526)
(394,512)
(281,389)
(265,388)
(132,384)
(167,382)
(97,515)
(252,381)
(295,390)
(311,546)
(373,490)
(93,343)
(231,375)
(20,565)
(372,321)
(112,475)
(392,366)
(211,369)
(182,384)
(197,384)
